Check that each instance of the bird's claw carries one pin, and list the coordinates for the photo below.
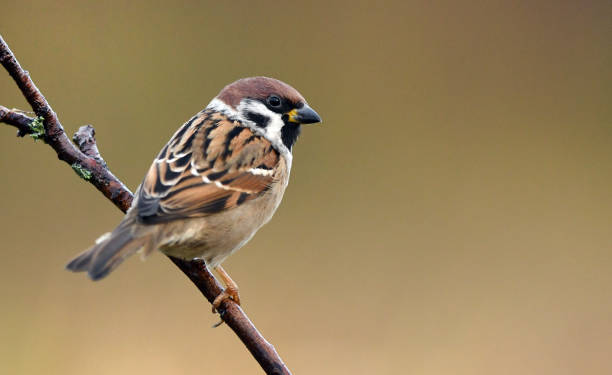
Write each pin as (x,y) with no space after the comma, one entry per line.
(228,293)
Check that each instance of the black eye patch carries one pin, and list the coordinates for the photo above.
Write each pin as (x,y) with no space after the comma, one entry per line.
(259,119)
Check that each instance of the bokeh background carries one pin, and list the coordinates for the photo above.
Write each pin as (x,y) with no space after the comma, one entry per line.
(452,215)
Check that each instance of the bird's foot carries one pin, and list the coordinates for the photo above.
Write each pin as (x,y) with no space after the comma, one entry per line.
(230,292)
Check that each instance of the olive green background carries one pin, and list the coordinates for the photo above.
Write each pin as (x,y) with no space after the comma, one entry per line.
(450,216)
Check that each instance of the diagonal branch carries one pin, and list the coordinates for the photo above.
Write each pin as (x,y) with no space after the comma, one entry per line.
(89,165)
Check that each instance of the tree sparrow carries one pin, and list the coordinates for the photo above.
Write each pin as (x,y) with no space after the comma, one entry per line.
(217,181)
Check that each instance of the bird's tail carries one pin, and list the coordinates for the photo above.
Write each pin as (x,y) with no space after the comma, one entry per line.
(111,249)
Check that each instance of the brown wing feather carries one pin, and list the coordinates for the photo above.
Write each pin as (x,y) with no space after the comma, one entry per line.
(211,164)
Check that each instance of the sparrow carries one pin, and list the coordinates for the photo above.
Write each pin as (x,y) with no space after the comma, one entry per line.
(217,181)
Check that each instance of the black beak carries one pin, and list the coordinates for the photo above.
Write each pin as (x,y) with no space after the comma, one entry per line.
(304,115)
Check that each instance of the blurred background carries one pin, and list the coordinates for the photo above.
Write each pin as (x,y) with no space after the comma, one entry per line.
(451,216)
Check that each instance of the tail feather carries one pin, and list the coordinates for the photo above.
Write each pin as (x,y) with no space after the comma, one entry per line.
(81,262)
(109,251)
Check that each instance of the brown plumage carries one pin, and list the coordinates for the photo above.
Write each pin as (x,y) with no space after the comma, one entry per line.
(182,183)
(217,181)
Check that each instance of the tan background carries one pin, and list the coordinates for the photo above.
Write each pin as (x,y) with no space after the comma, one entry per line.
(451,216)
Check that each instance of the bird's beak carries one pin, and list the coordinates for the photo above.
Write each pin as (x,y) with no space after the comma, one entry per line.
(304,115)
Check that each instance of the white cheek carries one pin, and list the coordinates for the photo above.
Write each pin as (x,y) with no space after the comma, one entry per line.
(273,130)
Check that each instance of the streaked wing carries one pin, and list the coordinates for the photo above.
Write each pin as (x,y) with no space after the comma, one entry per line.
(211,164)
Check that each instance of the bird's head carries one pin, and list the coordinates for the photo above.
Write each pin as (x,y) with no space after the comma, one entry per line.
(268,106)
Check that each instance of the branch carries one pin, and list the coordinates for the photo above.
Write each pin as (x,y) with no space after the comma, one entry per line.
(89,165)
(18,120)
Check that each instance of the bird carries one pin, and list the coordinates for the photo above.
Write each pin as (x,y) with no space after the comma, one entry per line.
(217,181)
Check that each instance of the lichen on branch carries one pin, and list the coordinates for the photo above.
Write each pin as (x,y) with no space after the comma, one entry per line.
(37,129)
(82,172)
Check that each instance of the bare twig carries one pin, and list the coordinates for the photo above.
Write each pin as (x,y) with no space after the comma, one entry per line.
(85,139)
(88,163)
(17,119)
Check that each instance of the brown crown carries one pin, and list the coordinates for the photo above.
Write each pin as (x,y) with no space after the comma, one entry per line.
(258,88)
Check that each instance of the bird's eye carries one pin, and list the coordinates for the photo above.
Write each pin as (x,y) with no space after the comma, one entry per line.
(274,101)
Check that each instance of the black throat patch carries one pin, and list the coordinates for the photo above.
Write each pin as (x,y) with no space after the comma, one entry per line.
(290,133)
